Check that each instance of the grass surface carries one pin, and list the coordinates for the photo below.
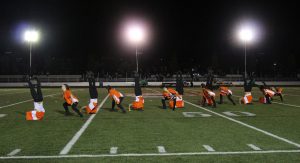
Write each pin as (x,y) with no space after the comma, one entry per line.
(142,131)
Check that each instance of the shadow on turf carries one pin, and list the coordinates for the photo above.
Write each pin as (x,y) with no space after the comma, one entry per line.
(21,113)
(63,112)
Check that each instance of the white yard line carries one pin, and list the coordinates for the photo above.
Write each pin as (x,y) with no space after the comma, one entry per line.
(290,95)
(26,101)
(209,148)
(14,152)
(75,138)
(6,90)
(254,147)
(247,125)
(113,150)
(153,90)
(150,154)
(286,104)
(161,149)
(2,115)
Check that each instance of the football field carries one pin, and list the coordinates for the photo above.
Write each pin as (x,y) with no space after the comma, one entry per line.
(228,133)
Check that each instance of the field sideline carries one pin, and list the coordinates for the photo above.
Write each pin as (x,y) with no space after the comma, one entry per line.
(252,133)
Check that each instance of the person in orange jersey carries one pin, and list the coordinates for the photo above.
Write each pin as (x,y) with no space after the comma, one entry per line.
(277,90)
(225,91)
(138,103)
(116,97)
(268,94)
(91,108)
(169,94)
(208,97)
(70,100)
(38,112)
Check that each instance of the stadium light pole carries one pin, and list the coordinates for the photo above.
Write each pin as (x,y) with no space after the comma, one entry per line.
(246,35)
(31,36)
(135,35)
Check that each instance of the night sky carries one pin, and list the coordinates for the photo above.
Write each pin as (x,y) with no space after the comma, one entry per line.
(81,36)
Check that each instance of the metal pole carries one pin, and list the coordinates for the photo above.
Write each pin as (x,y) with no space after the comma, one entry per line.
(245,58)
(30,47)
(137,61)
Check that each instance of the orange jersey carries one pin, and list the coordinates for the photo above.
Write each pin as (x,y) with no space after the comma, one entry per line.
(224,91)
(69,97)
(279,90)
(91,108)
(179,103)
(169,92)
(208,93)
(34,115)
(115,95)
(269,92)
(247,99)
(138,103)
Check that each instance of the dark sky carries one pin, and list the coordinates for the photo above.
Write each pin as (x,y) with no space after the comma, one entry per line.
(79,36)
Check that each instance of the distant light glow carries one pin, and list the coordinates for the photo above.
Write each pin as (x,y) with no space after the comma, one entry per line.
(135,33)
(246,34)
(31,36)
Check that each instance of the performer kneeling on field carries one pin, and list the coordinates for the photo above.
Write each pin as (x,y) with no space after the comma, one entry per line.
(169,94)
(247,99)
(116,97)
(70,100)
(276,90)
(224,91)
(208,97)
(38,112)
(138,104)
(92,107)
(268,94)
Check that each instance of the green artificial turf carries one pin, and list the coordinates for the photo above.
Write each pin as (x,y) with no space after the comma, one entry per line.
(142,131)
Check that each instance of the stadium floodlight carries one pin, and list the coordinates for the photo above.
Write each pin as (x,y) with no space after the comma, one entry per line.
(31,36)
(135,34)
(246,34)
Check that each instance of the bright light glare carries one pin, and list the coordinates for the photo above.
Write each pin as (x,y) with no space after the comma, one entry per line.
(31,36)
(246,34)
(135,33)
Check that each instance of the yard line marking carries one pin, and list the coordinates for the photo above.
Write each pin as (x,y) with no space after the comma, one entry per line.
(70,144)
(161,149)
(247,125)
(6,90)
(286,104)
(26,101)
(2,115)
(14,152)
(290,95)
(113,150)
(150,154)
(153,90)
(209,148)
(254,147)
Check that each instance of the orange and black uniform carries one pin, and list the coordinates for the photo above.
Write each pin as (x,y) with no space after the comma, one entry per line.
(277,90)
(117,98)
(70,100)
(225,91)
(170,94)
(208,94)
